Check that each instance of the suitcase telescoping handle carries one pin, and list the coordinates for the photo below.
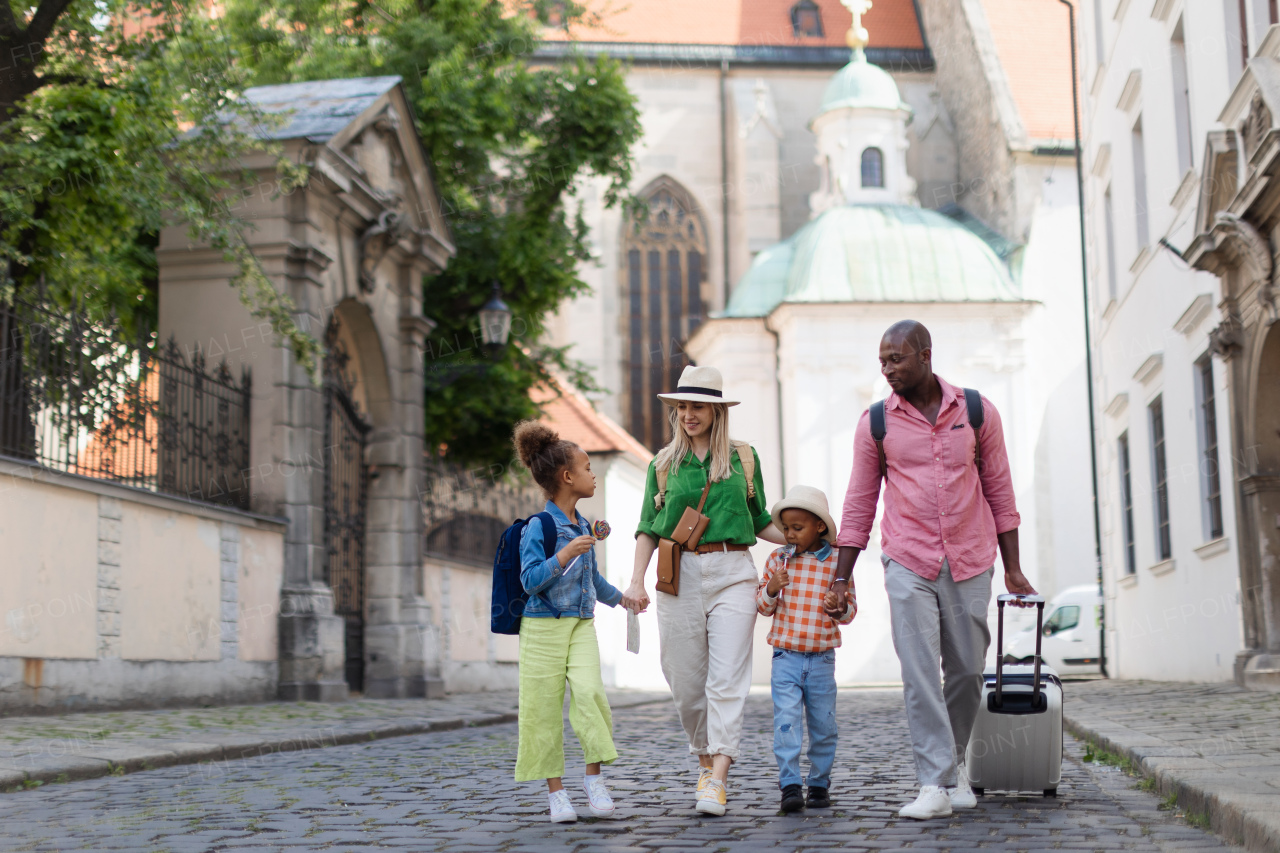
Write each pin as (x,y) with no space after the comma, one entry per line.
(1038,601)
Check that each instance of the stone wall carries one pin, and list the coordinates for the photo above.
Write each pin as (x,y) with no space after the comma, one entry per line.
(115,597)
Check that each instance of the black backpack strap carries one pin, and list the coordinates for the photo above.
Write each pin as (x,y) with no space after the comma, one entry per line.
(973,402)
(549,548)
(878,433)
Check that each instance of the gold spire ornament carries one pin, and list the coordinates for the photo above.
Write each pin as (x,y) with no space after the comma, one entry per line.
(857,37)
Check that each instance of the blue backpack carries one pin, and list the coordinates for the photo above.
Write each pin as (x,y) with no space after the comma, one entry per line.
(509,597)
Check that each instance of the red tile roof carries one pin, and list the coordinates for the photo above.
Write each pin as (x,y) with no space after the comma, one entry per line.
(891,23)
(572,415)
(1033,40)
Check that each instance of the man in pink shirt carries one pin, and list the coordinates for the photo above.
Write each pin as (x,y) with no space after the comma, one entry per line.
(944,514)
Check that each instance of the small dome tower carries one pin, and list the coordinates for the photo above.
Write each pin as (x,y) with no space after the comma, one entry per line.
(862,132)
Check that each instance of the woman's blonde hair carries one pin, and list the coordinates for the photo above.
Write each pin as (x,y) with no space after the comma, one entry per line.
(669,457)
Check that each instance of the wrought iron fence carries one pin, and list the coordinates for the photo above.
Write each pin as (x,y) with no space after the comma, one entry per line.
(466,510)
(85,398)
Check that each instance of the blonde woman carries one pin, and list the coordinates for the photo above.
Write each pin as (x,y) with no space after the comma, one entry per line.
(706,630)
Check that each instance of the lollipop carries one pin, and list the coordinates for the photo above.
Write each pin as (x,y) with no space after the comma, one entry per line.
(599,530)
(788,551)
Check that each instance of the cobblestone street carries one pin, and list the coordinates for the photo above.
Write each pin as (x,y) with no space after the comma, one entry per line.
(453,791)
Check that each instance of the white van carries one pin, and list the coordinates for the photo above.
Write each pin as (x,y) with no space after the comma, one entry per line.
(1071,644)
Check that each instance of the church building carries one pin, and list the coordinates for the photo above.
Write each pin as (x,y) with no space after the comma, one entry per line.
(816,171)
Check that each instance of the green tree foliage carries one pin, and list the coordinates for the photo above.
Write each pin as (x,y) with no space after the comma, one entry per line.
(96,157)
(511,142)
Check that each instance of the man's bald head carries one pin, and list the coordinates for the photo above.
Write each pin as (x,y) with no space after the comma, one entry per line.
(906,355)
(910,334)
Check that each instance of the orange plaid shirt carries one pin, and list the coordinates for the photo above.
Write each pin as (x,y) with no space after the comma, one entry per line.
(799,622)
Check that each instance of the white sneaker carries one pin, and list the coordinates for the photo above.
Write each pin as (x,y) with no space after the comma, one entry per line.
(598,796)
(713,798)
(561,809)
(932,802)
(962,796)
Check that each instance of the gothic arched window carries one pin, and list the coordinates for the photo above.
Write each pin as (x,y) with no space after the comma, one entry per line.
(806,20)
(872,168)
(662,290)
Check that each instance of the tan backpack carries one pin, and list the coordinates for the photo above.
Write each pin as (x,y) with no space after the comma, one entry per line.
(745,456)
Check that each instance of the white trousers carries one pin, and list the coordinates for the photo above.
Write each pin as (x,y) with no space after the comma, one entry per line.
(706,633)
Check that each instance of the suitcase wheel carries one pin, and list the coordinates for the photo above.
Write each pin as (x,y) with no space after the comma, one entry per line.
(978,792)
(1051,792)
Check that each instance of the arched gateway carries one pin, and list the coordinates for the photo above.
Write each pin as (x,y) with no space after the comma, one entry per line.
(336,452)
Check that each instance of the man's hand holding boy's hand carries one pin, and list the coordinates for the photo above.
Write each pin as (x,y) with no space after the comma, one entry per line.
(780,579)
(836,605)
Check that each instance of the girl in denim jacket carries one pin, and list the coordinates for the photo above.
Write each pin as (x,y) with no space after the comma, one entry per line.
(557,631)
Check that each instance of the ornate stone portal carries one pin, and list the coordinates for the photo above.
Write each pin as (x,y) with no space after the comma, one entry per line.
(350,249)
(1238,229)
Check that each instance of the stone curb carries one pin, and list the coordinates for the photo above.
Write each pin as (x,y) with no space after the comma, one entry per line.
(1235,812)
(154,753)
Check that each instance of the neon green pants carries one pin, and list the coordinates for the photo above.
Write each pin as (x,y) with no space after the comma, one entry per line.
(553,652)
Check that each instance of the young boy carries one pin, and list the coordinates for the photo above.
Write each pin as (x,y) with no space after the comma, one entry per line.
(804,639)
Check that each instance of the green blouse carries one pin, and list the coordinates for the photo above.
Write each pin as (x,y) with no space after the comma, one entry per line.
(734,518)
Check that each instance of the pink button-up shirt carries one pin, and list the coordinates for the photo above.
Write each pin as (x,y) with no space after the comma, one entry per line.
(936,504)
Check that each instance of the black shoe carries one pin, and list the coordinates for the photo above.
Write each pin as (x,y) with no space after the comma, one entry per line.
(818,798)
(792,799)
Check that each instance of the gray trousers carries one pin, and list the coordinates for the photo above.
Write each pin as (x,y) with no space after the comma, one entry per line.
(932,620)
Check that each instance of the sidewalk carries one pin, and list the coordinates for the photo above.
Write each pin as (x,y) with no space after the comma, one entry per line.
(1214,747)
(35,750)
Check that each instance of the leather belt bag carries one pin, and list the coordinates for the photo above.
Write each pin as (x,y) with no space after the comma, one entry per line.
(668,567)
(686,535)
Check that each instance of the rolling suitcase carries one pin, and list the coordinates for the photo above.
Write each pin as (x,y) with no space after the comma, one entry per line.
(1016,743)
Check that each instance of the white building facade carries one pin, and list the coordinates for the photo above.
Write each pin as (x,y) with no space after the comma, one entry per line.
(1185,548)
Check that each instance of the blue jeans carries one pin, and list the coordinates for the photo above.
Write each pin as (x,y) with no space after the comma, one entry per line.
(804,685)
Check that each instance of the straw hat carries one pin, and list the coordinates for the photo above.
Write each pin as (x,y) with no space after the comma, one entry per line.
(811,499)
(699,385)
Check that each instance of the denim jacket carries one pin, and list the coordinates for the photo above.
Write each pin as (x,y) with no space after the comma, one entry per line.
(574,589)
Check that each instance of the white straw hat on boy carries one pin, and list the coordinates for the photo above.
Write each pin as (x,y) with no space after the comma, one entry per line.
(806,497)
(699,385)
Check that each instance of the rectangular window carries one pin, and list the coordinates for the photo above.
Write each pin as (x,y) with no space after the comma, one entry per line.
(1100,29)
(1237,39)
(1141,224)
(1126,505)
(1181,101)
(1209,478)
(695,291)
(675,314)
(1110,221)
(1160,479)
(657,350)
(635,354)
(1264,15)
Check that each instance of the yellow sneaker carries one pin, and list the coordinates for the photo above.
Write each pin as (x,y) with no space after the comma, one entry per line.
(712,799)
(704,776)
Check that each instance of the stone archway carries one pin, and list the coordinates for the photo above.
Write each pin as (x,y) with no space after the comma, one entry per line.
(391,613)
(363,345)
(346,479)
(1261,484)
(371,617)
